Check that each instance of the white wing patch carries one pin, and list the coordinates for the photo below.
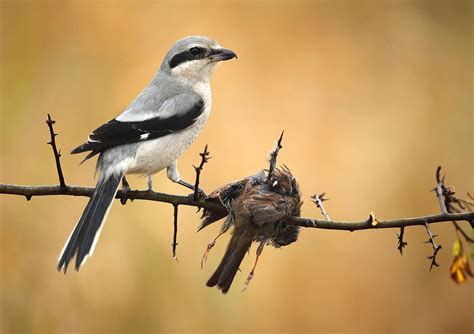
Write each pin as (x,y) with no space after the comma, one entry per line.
(139,113)
(91,140)
(144,136)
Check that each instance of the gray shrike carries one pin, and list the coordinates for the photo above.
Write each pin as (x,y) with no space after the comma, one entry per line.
(150,135)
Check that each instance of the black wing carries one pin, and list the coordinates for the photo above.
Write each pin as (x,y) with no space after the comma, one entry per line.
(114,133)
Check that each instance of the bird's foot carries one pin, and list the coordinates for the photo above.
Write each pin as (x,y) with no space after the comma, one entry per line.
(252,272)
(206,253)
(200,193)
(209,247)
(150,184)
(125,190)
(247,281)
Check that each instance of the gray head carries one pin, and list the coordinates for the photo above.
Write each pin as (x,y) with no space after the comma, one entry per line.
(193,58)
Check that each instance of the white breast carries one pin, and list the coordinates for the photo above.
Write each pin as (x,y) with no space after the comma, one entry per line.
(154,155)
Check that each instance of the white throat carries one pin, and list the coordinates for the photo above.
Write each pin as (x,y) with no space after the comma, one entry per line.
(194,71)
(196,75)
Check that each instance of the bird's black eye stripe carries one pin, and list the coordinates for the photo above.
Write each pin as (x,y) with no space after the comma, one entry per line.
(191,54)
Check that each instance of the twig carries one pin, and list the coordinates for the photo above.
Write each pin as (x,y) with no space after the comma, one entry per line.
(366,224)
(175,230)
(273,157)
(401,242)
(436,248)
(440,190)
(447,202)
(57,154)
(318,199)
(204,158)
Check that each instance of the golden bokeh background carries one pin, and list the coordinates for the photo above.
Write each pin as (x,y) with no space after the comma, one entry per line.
(372,97)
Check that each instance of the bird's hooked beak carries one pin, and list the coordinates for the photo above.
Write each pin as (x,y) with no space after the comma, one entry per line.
(222,54)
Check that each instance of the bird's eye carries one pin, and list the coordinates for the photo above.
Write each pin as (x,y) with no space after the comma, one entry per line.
(195,51)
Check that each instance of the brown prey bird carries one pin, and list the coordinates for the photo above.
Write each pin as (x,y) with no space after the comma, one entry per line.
(258,209)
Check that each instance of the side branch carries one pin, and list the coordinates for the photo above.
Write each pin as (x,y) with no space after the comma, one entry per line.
(204,159)
(436,248)
(273,156)
(175,231)
(366,225)
(56,152)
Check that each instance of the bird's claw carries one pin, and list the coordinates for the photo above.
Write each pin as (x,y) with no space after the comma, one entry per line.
(206,253)
(247,281)
(201,195)
(150,184)
(125,190)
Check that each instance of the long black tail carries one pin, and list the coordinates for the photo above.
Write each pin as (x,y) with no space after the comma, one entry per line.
(230,263)
(83,238)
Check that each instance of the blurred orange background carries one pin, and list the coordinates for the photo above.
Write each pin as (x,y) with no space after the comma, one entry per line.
(372,97)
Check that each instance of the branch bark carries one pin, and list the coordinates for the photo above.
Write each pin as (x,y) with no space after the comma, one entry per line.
(367,225)
(52,190)
(56,152)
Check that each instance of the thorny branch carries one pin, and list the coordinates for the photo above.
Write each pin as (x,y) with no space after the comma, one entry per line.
(381,224)
(453,209)
(204,159)
(273,156)
(448,203)
(31,191)
(440,190)
(70,190)
(401,243)
(175,230)
(318,199)
(57,154)
(436,248)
